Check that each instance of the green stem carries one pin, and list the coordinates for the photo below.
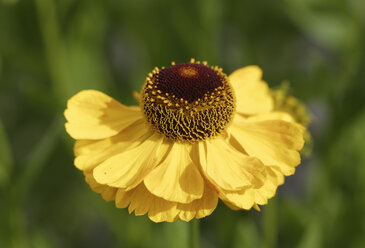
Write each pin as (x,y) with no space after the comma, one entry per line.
(270,224)
(194,234)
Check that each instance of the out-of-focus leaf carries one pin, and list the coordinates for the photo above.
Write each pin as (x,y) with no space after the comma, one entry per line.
(348,155)
(358,8)
(313,236)
(9,1)
(87,67)
(343,201)
(6,160)
(177,234)
(1,64)
(74,67)
(247,234)
(38,157)
(332,30)
(42,240)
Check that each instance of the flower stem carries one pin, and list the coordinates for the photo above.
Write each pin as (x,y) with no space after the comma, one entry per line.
(270,224)
(194,233)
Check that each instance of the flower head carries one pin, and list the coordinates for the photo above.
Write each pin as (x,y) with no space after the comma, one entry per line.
(197,136)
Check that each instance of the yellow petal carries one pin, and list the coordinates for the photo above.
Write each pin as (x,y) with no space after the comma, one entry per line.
(177,178)
(252,94)
(90,153)
(256,207)
(243,199)
(227,168)
(230,205)
(248,198)
(108,193)
(141,201)
(91,114)
(123,198)
(127,169)
(276,115)
(274,142)
(201,207)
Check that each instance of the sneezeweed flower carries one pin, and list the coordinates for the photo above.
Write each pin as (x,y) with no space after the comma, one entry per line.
(197,136)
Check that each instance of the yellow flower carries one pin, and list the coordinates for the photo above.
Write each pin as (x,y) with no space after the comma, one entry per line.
(197,136)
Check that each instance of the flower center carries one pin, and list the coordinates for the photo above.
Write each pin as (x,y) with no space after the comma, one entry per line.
(188,81)
(188,102)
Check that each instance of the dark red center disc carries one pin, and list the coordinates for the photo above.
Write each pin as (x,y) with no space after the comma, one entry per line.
(189,81)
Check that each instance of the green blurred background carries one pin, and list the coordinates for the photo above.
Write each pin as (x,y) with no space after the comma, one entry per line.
(49,50)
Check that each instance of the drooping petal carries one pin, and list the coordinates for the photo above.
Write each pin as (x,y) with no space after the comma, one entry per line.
(248,198)
(127,169)
(90,153)
(177,178)
(227,168)
(141,201)
(274,142)
(201,207)
(91,114)
(252,94)
(108,193)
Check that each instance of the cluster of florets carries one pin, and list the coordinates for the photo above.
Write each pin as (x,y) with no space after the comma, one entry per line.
(188,102)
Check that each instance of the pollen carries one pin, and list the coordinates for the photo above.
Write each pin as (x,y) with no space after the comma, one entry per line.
(188,102)
(188,71)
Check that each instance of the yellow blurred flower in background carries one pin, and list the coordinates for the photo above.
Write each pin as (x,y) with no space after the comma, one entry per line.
(198,135)
(284,102)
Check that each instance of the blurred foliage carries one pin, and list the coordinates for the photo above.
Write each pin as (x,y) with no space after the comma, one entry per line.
(49,50)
